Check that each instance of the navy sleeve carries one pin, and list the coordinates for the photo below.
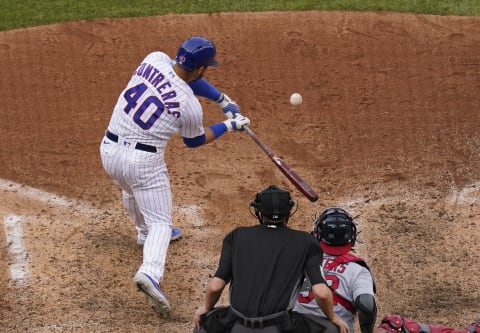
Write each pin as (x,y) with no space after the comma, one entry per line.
(203,88)
(195,142)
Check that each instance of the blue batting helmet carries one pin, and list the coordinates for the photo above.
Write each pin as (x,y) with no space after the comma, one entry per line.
(196,52)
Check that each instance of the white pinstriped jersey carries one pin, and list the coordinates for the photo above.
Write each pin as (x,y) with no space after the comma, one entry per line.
(347,280)
(156,104)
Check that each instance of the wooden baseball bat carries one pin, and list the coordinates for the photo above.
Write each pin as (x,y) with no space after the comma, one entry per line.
(294,178)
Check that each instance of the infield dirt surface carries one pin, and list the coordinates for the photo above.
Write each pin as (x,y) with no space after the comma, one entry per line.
(388,129)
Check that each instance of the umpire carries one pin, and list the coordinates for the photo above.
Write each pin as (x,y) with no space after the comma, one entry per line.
(265,266)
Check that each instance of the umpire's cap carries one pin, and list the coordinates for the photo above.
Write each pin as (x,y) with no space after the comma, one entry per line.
(273,203)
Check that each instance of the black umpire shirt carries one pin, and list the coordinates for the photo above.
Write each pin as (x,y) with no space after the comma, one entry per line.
(265,267)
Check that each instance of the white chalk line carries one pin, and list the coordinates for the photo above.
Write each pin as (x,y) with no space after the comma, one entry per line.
(44,196)
(470,194)
(19,268)
(19,257)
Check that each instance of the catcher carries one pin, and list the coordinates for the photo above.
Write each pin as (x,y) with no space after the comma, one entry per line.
(348,276)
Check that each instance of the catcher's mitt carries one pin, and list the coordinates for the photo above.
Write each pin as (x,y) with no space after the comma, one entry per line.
(398,324)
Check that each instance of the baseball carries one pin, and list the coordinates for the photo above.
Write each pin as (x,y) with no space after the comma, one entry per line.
(296,99)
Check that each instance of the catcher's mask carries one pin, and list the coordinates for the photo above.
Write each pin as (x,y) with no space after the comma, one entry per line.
(335,230)
(272,205)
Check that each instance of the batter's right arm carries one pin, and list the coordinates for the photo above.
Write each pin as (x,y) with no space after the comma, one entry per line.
(213,132)
(203,88)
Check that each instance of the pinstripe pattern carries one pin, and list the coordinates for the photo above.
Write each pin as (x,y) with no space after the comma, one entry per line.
(189,124)
(143,176)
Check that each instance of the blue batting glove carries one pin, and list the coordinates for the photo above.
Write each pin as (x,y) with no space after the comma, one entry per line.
(229,107)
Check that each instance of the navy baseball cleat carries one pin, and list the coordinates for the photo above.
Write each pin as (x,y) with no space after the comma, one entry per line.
(152,290)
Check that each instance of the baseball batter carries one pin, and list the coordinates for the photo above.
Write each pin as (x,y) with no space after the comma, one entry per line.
(158,101)
(348,276)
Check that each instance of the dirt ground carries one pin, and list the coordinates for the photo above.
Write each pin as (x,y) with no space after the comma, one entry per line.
(389,129)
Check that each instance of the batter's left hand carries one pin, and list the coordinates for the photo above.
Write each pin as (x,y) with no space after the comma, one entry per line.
(229,107)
